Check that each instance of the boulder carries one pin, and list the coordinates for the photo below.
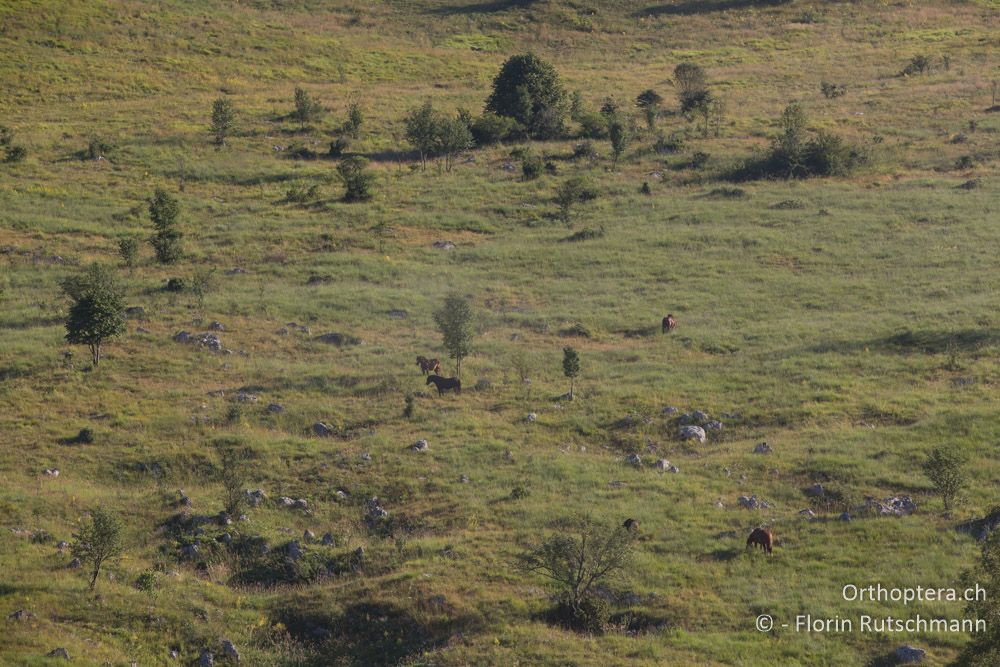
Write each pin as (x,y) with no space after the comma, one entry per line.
(909,655)
(322,430)
(308,536)
(58,653)
(328,539)
(294,550)
(51,472)
(255,497)
(135,312)
(74,564)
(699,416)
(229,650)
(216,326)
(691,433)
(713,425)
(846,516)
(245,397)
(419,446)
(665,466)
(444,245)
(19,615)
(807,513)
(633,460)
(762,448)
(275,408)
(669,410)
(816,491)
(206,659)
(531,417)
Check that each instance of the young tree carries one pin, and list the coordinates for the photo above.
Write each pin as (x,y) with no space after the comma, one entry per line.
(307,108)
(166,241)
(578,558)
(128,250)
(789,148)
(452,137)
(571,367)
(529,90)
(984,649)
(571,192)
(454,321)
(202,283)
(355,118)
(692,86)
(98,541)
(98,309)
(233,465)
(944,467)
(649,101)
(618,133)
(421,130)
(223,119)
(353,171)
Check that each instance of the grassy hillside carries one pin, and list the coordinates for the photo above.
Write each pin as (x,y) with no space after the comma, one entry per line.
(849,322)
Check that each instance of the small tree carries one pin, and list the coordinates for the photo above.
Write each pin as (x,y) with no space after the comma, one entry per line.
(355,118)
(649,101)
(98,541)
(452,137)
(307,108)
(166,241)
(571,192)
(202,283)
(692,86)
(618,133)
(578,558)
(128,250)
(353,171)
(984,649)
(421,130)
(223,119)
(454,321)
(381,230)
(232,472)
(571,367)
(529,90)
(98,309)
(944,468)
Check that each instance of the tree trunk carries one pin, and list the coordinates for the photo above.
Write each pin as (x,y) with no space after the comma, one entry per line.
(93,579)
(95,353)
(458,368)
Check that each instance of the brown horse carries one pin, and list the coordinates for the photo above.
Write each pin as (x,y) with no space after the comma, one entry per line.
(445,384)
(761,537)
(669,323)
(428,365)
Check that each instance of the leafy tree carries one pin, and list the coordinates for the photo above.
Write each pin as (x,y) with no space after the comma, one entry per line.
(355,118)
(944,467)
(692,86)
(452,137)
(12,153)
(98,309)
(98,541)
(166,241)
(307,108)
(619,135)
(492,129)
(421,130)
(223,119)
(578,558)
(571,367)
(610,108)
(232,472)
(571,192)
(529,90)
(454,321)
(202,282)
(353,171)
(984,649)
(128,250)
(649,101)
(381,230)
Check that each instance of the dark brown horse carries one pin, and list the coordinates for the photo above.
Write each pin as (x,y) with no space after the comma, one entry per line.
(761,537)
(428,365)
(445,384)
(669,323)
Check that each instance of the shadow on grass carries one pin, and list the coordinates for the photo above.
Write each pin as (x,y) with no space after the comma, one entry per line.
(918,342)
(483,7)
(692,7)
(370,633)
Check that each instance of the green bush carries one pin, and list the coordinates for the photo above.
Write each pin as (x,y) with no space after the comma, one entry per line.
(832,90)
(593,125)
(97,148)
(128,250)
(147,582)
(15,154)
(339,146)
(491,128)
(529,90)
(357,180)
(531,167)
(85,436)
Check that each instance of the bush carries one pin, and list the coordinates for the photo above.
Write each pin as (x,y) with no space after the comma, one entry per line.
(355,118)
(944,468)
(919,64)
(698,159)
(570,193)
(147,583)
(491,128)
(339,146)
(176,285)
(964,162)
(85,436)
(302,194)
(164,211)
(15,154)
(593,125)
(357,181)
(307,109)
(97,148)
(529,90)
(128,250)
(531,167)
(668,145)
(223,119)
(832,90)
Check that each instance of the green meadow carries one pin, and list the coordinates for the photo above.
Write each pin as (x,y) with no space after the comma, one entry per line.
(850,322)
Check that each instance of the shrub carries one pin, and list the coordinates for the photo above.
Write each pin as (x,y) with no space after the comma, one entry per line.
(339,146)
(645,189)
(223,119)
(15,153)
(698,159)
(531,167)
(593,126)
(667,145)
(571,192)
(529,90)
(98,541)
(619,135)
(944,467)
(584,151)
(307,109)
(919,64)
(302,194)
(571,367)
(519,492)
(128,250)
(98,309)
(984,649)
(355,118)
(232,473)
(166,241)
(97,148)
(610,107)
(202,283)
(491,128)
(409,407)
(832,90)
(357,181)
(649,101)
(692,86)
(85,436)
(964,162)
(147,582)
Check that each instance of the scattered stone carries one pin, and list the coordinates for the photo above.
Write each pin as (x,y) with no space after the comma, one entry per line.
(51,472)
(58,653)
(235,271)
(322,430)
(633,459)
(699,416)
(328,539)
(206,659)
(816,490)
(444,245)
(243,517)
(244,397)
(341,494)
(713,425)
(308,536)
(616,484)
(374,511)
(358,558)
(691,433)
(531,417)
(74,564)
(419,446)
(294,550)
(216,326)
(752,502)
(190,551)
(283,331)
(721,505)
(142,330)
(182,499)
(895,506)
(255,497)
(135,312)
(366,456)
(669,410)
(666,466)
(482,384)
(509,455)
(846,516)
(224,520)
(464,479)
(225,538)
(508,166)
(338,339)
(275,408)
(398,314)
(229,650)
(62,544)
(762,448)
(20,615)
(908,655)
(808,513)
(173,654)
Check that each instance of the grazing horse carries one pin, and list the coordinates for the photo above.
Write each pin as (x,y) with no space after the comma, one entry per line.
(761,537)
(630,525)
(445,384)
(428,365)
(669,323)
